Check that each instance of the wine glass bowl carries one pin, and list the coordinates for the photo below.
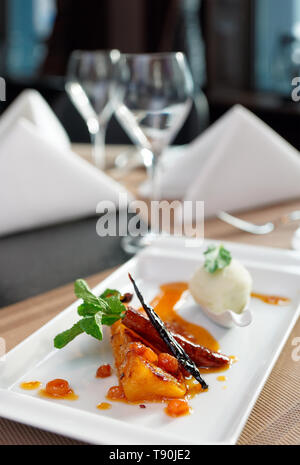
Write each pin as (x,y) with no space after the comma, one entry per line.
(155,93)
(90,84)
(155,96)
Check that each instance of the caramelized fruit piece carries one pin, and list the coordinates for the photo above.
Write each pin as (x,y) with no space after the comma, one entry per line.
(103,371)
(145,352)
(177,407)
(126,298)
(115,393)
(141,379)
(168,362)
(58,388)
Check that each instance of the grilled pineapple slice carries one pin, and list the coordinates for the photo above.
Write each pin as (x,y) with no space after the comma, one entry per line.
(141,379)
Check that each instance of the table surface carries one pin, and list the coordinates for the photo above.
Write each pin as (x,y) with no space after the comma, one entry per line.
(41,260)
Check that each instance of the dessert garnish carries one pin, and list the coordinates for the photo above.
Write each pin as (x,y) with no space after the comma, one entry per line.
(216,258)
(95,312)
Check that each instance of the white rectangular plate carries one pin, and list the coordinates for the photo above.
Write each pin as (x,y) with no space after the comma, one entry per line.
(218,415)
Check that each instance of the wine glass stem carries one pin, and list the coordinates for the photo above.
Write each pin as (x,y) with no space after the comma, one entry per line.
(155,196)
(154,170)
(98,147)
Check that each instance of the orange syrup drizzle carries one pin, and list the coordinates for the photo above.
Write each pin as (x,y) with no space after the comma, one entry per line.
(70,396)
(164,304)
(30,385)
(271,299)
(104,406)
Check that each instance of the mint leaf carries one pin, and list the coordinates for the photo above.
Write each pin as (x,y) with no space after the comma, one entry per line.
(109,320)
(82,291)
(115,305)
(87,309)
(92,325)
(115,308)
(96,311)
(62,339)
(109,293)
(216,258)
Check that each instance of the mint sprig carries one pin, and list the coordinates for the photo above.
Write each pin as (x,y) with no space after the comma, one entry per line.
(95,312)
(110,293)
(67,336)
(216,258)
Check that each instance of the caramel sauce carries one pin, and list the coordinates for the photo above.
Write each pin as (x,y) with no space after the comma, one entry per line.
(193,388)
(204,370)
(58,389)
(30,385)
(104,406)
(222,378)
(271,299)
(164,303)
(70,396)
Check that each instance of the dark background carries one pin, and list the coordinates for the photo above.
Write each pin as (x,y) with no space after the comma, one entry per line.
(239,51)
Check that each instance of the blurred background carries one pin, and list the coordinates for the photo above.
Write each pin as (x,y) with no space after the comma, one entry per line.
(239,51)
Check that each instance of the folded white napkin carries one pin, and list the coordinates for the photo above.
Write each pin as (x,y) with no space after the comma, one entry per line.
(32,106)
(237,163)
(42,184)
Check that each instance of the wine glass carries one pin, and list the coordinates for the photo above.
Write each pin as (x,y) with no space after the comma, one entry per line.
(154,97)
(90,83)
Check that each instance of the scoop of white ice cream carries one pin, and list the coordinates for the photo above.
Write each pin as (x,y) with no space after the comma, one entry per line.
(226,289)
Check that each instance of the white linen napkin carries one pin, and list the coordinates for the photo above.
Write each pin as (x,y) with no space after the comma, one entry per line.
(41,184)
(33,107)
(238,163)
